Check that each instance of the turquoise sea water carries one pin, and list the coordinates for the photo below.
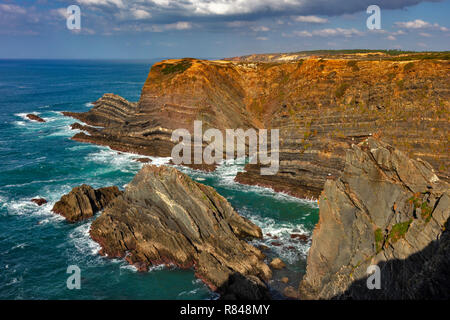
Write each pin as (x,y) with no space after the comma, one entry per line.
(40,160)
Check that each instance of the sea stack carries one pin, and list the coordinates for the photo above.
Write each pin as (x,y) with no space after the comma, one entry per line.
(164,217)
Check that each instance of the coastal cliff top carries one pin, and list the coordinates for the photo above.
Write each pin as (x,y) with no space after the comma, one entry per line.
(392,55)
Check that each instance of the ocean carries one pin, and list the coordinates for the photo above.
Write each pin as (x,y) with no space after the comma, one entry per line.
(40,160)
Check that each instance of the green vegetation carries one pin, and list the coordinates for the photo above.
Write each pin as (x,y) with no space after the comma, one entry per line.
(408,66)
(379,239)
(340,91)
(176,67)
(425,209)
(399,230)
(401,84)
(354,65)
(424,56)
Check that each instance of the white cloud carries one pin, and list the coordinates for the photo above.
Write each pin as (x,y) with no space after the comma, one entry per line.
(399,33)
(328,32)
(391,37)
(117,3)
(181,25)
(140,14)
(10,8)
(415,24)
(262,38)
(310,19)
(420,24)
(303,33)
(260,29)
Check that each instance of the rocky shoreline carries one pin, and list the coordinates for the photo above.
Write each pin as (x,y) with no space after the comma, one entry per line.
(378,206)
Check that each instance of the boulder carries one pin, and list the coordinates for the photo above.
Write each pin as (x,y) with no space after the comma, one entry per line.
(164,217)
(34,117)
(84,201)
(277,263)
(39,201)
(143,160)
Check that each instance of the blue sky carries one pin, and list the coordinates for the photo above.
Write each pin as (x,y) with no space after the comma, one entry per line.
(146,29)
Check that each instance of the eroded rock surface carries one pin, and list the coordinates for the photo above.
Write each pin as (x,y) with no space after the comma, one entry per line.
(386,210)
(84,201)
(164,217)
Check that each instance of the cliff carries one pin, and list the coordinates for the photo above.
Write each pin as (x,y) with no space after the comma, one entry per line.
(164,217)
(385,210)
(321,104)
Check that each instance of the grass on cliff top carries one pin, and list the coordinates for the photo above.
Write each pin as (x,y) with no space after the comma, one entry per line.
(175,67)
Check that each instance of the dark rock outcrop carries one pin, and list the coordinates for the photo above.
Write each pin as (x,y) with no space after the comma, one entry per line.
(386,210)
(164,217)
(84,201)
(143,160)
(39,201)
(34,117)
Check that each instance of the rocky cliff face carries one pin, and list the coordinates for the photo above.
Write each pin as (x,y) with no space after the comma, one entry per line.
(321,106)
(164,217)
(83,202)
(386,210)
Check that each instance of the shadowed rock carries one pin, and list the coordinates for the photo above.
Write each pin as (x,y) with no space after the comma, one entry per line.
(164,217)
(84,201)
(387,210)
(39,201)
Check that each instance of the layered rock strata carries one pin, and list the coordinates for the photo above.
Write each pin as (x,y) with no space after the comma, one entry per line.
(385,210)
(83,202)
(164,217)
(320,105)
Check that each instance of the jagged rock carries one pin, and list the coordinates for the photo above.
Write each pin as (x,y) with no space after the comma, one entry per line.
(277,263)
(164,217)
(369,217)
(39,201)
(35,117)
(84,201)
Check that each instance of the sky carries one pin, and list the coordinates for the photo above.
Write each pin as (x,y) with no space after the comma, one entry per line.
(153,29)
